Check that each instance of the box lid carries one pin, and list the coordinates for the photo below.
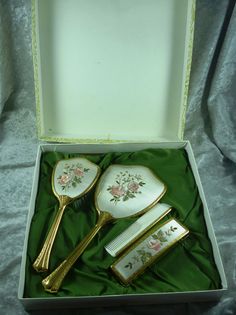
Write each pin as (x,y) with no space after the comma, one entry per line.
(112,70)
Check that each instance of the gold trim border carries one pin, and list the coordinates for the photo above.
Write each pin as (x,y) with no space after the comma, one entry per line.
(154,257)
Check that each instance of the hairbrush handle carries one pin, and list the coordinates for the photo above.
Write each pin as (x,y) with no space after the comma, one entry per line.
(53,282)
(41,263)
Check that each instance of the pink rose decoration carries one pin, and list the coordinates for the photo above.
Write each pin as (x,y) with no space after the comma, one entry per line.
(133,186)
(78,172)
(154,244)
(64,179)
(117,191)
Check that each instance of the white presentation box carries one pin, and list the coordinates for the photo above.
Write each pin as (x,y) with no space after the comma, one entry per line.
(113,76)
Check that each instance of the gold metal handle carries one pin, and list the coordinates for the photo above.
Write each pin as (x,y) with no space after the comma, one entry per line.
(53,282)
(42,261)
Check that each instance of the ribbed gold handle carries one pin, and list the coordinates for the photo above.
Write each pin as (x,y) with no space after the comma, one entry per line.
(53,282)
(42,261)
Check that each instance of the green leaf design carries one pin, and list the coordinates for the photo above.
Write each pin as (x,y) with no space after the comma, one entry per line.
(173,228)
(161,236)
(136,258)
(125,198)
(145,257)
(129,265)
(130,195)
(128,186)
(141,251)
(77,180)
(69,170)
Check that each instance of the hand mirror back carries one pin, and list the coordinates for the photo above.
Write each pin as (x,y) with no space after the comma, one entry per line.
(71,179)
(125,191)
(122,191)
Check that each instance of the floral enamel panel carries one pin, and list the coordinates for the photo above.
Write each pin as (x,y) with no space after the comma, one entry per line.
(126,186)
(147,249)
(73,177)
(126,190)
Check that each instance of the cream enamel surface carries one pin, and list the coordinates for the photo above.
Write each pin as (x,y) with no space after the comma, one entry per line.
(136,229)
(149,193)
(112,70)
(126,273)
(86,181)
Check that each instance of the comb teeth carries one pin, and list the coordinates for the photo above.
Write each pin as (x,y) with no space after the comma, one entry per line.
(132,231)
(136,229)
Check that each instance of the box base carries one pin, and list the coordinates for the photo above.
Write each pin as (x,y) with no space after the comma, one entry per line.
(129,299)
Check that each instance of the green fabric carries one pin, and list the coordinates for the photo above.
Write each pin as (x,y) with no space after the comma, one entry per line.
(188,266)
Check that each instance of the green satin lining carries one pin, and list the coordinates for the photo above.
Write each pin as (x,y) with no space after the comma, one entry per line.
(188,266)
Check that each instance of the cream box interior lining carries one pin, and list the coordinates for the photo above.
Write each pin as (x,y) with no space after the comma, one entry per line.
(112,70)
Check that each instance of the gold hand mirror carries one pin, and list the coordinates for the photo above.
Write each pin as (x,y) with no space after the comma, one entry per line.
(122,191)
(71,179)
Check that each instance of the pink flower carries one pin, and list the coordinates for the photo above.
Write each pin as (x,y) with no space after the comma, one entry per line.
(154,244)
(117,191)
(64,179)
(133,186)
(78,172)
